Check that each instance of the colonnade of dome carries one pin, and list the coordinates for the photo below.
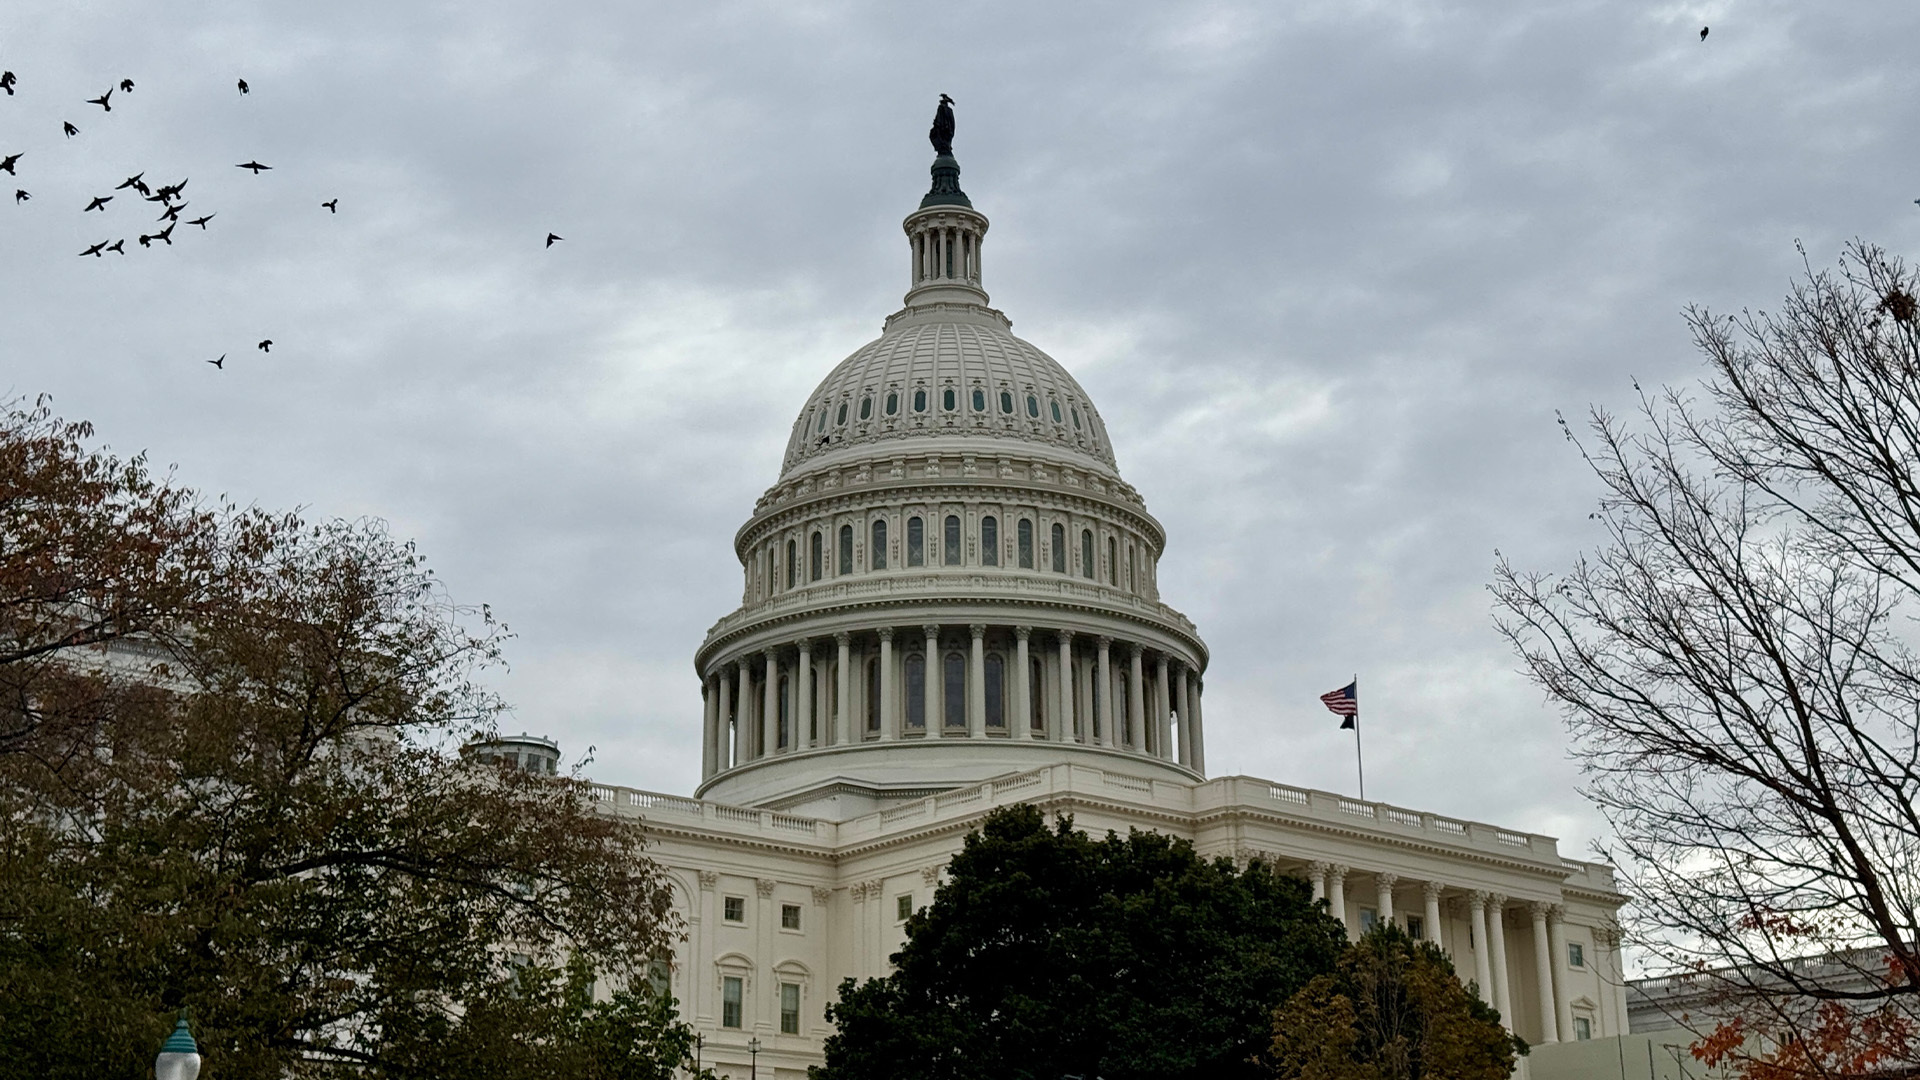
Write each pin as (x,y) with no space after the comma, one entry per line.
(949,580)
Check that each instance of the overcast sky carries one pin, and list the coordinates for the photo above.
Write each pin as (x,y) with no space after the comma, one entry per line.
(1328,268)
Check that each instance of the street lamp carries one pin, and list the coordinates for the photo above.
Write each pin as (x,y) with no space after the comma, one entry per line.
(753,1059)
(698,1042)
(179,1058)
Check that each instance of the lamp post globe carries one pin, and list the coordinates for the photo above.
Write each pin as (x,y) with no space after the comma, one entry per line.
(753,1058)
(179,1057)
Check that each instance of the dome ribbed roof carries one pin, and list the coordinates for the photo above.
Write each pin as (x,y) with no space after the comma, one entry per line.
(962,375)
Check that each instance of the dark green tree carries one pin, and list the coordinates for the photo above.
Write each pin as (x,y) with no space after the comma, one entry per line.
(1048,953)
(1392,1010)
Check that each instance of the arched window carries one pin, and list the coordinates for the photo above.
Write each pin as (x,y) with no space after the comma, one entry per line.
(1130,587)
(947,400)
(841,417)
(873,696)
(989,541)
(1036,680)
(1086,553)
(866,407)
(793,564)
(1059,549)
(846,549)
(979,400)
(1006,402)
(1033,406)
(877,553)
(786,712)
(1025,531)
(916,542)
(916,690)
(893,402)
(996,693)
(813,696)
(1113,561)
(919,401)
(955,684)
(951,542)
(818,565)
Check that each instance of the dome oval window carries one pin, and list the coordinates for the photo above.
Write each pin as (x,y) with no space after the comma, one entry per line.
(947,399)
(1033,406)
(1056,411)
(1076,419)
(979,400)
(893,403)
(822,425)
(866,408)
(842,417)
(919,401)
(1006,402)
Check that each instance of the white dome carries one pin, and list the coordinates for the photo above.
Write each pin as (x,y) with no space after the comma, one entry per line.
(947,373)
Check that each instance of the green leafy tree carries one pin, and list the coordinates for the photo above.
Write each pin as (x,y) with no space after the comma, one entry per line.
(1392,1010)
(230,781)
(1049,953)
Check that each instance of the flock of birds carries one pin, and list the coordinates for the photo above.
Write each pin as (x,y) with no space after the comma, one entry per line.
(170,197)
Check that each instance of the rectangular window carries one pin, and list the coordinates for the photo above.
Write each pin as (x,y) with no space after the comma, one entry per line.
(730,1001)
(1582,1029)
(950,541)
(789,916)
(877,551)
(1369,918)
(989,541)
(1416,928)
(735,909)
(846,550)
(1026,544)
(1086,553)
(903,907)
(789,1008)
(916,542)
(1576,955)
(819,561)
(1059,549)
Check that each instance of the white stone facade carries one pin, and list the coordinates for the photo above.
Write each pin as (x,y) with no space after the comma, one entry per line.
(950,603)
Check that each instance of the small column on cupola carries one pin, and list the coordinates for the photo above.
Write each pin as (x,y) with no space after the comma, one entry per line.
(944,234)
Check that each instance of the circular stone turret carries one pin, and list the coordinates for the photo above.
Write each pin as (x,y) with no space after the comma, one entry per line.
(949,581)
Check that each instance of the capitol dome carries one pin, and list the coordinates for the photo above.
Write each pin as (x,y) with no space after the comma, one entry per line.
(949,580)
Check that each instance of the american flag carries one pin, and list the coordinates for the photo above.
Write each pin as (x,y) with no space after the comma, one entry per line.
(1344,702)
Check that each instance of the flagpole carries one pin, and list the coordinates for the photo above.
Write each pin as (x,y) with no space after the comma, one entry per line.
(1359,763)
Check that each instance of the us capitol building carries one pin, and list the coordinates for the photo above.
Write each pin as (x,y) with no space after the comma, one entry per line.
(950,603)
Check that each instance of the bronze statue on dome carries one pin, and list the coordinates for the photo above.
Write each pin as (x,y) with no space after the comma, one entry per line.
(942,134)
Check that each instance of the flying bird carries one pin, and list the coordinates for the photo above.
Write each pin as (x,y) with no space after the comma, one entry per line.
(6,163)
(222,362)
(118,247)
(255,166)
(267,345)
(168,192)
(99,203)
(332,205)
(133,182)
(67,126)
(102,100)
(20,195)
(552,237)
(243,86)
(6,82)
(1703,33)
(201,221)
(126,86)
(165,234)
(172,212)
(145,240)
(95,250)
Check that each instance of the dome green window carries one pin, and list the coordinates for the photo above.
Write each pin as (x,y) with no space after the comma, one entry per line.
(916,666)
(950,542)
(877,553)
(947,399)
(1056,411)
(893,403)
(995,699)
(866,407)
(1026,543)
(1076,418)
(842,417)
(955,705)
(979,400)
(1113,561)
(819,557)
(1033,406)
(919,401)
(1059,549)
(846,549)
(793,565)
(989,541)
(822,425)
(1006,402)
(916,542)
(1086,552)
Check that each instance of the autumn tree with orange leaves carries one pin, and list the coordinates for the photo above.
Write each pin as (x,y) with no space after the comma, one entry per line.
(1737,662)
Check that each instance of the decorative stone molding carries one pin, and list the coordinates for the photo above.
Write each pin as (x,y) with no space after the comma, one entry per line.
(930,875)
(1430,892)
(765,886)
(821,896)
(709,879)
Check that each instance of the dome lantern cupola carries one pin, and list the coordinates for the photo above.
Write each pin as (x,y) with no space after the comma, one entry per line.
(946,231)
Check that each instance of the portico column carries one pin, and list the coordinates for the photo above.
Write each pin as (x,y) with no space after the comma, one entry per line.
(770,705)
(930,686)
(1337,895)
(843,708)
(729,756)
(1136,701)
(977,683)
(1430,892)
(1497,939)
(1199,730)
(889,711)
(1021,721)
(1557,941)
(1162,711)
(1317,874)
(1063,723)
(743,728)
(709,745)
(1383,894)
(803,694)
(1543,972)
(1183,703)
(1482,965)
(1105,695)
